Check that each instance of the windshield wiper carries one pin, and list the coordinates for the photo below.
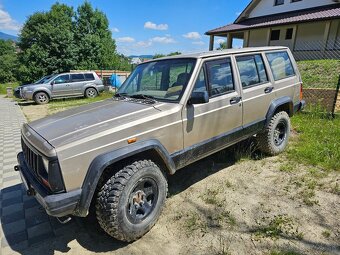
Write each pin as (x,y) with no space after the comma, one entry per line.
(142,96)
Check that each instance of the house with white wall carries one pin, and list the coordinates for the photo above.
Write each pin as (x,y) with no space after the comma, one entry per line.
(310,28)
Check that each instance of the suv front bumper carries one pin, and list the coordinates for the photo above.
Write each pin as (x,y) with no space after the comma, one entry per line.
(57,205)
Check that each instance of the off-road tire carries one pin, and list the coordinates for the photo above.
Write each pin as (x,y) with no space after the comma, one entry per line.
(91,93)
(41,98)
(269,141)
(114,197)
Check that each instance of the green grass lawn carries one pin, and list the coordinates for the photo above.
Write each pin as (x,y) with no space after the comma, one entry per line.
(319,73)
(64,104)
(318,142)
(3,87)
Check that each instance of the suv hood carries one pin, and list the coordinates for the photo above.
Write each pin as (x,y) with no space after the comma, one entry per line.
(77,123)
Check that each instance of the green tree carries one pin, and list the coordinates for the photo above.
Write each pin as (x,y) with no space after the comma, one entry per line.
(8,60)
(223,46)
(158,55)
(175,53)
(47,43)
(97,49)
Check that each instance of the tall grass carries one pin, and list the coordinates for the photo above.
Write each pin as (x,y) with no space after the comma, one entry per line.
(319,73)
(318,142)
(3,87)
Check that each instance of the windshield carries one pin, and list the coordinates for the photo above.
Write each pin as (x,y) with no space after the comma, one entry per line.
(163,80)
(44,79)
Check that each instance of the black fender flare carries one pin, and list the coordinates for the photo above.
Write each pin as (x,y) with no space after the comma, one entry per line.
(277,103)
(102,161)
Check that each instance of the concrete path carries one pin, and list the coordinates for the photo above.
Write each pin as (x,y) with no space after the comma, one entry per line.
(23,221)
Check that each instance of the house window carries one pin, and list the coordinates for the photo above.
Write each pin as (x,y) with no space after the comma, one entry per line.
(289,33)
(279,2)
(293,1)
(275,35)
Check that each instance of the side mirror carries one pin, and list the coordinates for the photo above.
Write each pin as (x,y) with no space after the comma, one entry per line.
(52,82)
(199,98)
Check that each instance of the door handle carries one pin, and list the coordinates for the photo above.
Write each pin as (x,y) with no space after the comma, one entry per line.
(268,90)
(235,100)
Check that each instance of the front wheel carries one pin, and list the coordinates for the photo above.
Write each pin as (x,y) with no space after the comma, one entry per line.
(130,202)
(41,98)
(274,139)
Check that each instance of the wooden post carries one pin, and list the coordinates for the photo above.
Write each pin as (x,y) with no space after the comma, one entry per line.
(229,41)
(325,37)
(211,43)
(295,31)
(246,35)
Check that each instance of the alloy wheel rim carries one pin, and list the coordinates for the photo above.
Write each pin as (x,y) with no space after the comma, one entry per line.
(142,200)
(280,133)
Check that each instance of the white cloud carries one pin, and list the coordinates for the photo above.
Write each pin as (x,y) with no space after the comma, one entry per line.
(150,25)
(115,30)
(144,44)
(198,43)
(126,39)
(192,36)
(164,39)
(6,21)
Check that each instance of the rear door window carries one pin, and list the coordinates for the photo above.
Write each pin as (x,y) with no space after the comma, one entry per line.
(280,64)
(251,69)
(220,77)
(77,77)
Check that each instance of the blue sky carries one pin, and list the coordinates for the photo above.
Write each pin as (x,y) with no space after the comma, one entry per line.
(145,26)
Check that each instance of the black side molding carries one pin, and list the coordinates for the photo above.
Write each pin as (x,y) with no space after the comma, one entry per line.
(104,160)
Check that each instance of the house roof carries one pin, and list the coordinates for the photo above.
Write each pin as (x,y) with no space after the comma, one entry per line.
(300,16)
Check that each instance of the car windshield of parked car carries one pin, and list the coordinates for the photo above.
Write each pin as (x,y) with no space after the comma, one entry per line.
(44,79)
(163,80)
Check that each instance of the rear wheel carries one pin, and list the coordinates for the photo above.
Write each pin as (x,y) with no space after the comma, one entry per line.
(91,93)
(275,137)
(130,202)
(41,98)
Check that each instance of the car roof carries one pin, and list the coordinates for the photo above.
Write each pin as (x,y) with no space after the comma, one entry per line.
(224,52)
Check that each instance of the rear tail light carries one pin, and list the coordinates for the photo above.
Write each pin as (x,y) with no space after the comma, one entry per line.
(301,92)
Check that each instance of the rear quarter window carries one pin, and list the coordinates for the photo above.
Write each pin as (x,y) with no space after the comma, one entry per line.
(280,65)
(89,76)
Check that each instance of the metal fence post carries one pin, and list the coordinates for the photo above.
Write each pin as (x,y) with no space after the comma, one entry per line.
(336,98)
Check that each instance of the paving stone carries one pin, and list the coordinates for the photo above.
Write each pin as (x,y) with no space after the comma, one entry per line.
(39,230)
(11,201)
(14,227)
(13,217)
(36,219)
(13,239)
(12,194)
(12,209)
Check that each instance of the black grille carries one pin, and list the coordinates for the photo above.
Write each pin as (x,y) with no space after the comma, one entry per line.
(33,160)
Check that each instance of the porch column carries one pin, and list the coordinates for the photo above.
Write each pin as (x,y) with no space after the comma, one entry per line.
(325,36)
(229,41)
(246,38)
(295,31)
(211,43)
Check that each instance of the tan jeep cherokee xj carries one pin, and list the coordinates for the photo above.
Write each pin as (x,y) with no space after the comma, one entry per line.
(170,112)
